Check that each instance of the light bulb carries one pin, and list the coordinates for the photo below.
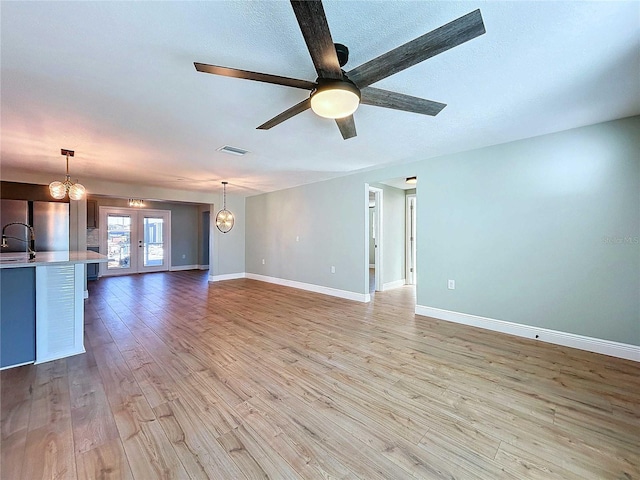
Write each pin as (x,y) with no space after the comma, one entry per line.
(57,190)
(76,191)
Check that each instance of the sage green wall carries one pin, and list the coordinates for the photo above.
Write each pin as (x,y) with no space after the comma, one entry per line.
(525,229)
(229,248)
(532,231)
(184,234)
(329,220)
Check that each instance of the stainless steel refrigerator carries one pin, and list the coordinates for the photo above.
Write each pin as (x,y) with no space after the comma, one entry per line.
(50,222)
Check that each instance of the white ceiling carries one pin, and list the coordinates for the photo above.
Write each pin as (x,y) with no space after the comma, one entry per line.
(115,81)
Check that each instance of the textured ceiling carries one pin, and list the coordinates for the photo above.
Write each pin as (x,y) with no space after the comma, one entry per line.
(115,81)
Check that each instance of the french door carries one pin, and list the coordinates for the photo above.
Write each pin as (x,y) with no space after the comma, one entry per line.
(135,241)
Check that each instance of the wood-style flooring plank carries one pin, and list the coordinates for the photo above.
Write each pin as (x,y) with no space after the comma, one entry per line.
(105,462)
(91,415)
(242,379)
(195,443)
(16,392)
(150,453)
(49,445)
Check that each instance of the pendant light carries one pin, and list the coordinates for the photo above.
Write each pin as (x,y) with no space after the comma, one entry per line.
(224,218)
(59,190)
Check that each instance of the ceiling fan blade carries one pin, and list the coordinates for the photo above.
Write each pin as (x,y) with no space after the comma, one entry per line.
(315,30)
(286,115)
(400,101)
(347,126)
(259,77)
(428,45)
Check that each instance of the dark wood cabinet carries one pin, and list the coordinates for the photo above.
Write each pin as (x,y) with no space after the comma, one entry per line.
(93,268)
(92,214)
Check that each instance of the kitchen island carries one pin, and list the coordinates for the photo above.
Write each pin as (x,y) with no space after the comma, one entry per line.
(42,306)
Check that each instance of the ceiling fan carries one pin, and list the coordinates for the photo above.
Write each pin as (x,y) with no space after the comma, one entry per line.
(335,93)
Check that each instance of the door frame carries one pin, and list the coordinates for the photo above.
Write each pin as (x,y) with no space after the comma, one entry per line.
(410,241)
(136,215)
(378,232)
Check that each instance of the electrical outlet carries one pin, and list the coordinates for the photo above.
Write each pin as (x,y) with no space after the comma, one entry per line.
(297,238)
(263,262)
(333,269)
(184,256)
(451,284)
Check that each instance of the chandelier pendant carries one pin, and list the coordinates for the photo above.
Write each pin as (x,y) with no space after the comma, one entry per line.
(224,218)
(59,190)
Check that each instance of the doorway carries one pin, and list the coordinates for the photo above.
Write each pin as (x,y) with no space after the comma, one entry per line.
(135,241)
(375,239)
(410,250)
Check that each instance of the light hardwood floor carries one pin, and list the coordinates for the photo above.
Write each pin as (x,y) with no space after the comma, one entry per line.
(237,379)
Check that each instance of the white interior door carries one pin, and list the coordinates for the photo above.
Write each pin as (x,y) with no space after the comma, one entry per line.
(411,240)
(377,233)
(135,241)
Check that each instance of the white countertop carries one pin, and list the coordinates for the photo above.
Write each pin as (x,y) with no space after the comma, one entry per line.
(19,259)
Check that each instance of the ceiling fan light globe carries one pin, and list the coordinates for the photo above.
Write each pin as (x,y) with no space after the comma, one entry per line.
(335,100)
(57,190)
(77,191)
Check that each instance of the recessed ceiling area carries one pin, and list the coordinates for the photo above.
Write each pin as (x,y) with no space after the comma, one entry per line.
(400,183)
(115,82)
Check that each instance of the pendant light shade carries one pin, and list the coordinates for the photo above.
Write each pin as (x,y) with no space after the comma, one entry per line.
(224,218)
(59,190)
(77,191)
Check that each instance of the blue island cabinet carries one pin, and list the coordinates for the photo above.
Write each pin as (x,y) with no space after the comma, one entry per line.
(17,316)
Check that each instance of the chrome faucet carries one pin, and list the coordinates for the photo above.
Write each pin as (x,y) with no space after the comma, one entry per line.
(31,244)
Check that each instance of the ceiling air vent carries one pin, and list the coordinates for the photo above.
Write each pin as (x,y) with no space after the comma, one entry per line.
(232,150)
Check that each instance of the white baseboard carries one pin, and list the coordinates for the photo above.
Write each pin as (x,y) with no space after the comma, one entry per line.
(203,267)
(228,276)
(59,355)
(590,344)
(372,265)
(334,292)
(86,294)
(391,285)
(179,268)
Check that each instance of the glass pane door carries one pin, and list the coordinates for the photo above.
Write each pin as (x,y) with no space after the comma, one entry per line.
(153,242)
(134,240)
(119,242)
